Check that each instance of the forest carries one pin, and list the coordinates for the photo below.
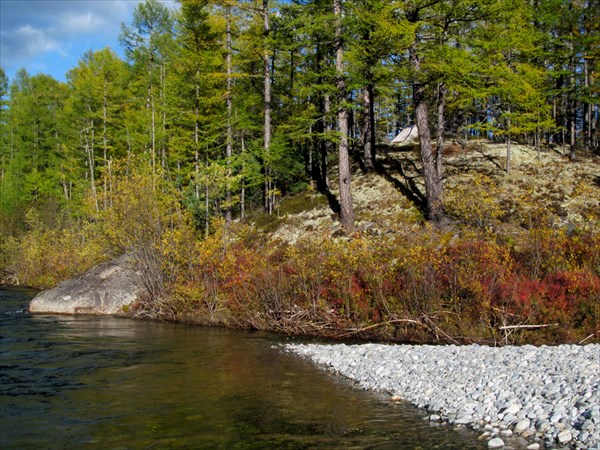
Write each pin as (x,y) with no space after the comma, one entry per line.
(230,121)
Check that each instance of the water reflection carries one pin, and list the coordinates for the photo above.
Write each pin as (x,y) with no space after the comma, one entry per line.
(86,382)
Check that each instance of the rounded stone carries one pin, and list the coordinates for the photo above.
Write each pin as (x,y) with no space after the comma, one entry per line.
(521,426)
(512,409)
(495,443)
(564,437)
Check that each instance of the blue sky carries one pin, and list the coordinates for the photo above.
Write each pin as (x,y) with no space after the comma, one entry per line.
(50,36)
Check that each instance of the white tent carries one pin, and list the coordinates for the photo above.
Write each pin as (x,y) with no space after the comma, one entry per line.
(408,136)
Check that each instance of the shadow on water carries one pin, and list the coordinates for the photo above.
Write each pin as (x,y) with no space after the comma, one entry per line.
(90,382)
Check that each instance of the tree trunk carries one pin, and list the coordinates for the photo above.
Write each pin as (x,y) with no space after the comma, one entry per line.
(441,129)
(243,187)
(104,143)
(229,137)
(65,190)
(150,107)
(267,109)
(197,139)
(346,208)
(327,143)
(572,104)
(89,150)
(319,162)
(369,128)
(433,185)
(153,142)
(163,137)
(587,109)
(508,125)
(206,209)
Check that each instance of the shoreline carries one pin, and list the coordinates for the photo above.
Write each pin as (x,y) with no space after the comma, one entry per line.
(549,396)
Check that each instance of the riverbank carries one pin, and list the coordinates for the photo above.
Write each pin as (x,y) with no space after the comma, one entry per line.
(509,267)
(548,395)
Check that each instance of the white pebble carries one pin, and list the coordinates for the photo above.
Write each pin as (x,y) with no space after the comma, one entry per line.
(554,394)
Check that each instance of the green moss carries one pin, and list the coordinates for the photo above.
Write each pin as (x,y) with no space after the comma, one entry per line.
(304,201)
(266,223)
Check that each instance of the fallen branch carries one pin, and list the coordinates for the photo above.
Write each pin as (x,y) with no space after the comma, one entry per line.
(360,330)
(437,330)
(512,327)
(583,340)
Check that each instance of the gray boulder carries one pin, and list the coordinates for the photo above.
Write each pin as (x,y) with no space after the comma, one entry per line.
(107,289)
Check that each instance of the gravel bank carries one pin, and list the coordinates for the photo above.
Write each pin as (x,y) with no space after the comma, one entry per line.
(548,395)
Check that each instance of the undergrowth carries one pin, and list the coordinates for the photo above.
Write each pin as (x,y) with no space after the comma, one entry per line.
(506,271)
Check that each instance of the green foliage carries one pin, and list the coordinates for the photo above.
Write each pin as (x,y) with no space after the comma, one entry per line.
(145,156)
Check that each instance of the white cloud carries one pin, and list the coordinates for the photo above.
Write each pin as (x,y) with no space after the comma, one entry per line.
(34,32)
(81,23)
(34,40)
(56,33)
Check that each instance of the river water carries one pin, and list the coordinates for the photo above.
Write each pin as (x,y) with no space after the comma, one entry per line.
(93,382)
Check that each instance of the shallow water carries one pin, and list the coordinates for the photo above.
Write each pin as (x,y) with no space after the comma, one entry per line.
(92,382)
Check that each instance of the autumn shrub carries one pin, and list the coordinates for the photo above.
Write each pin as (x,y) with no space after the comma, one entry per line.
(428,286)
(42,257)
(472,272)
(475,201)
(143,217)
(417,287)
(566,302)
(542,251)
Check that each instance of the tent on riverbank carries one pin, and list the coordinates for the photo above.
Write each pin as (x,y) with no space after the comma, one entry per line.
(408,136)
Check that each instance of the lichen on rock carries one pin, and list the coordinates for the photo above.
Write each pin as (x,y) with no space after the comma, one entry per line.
(107,289)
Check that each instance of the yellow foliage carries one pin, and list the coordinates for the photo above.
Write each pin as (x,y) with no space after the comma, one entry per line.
(44,257)
(475,202)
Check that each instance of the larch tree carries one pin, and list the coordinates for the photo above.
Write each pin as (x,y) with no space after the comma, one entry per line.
(97,95)
(147,42)
(413,30)
(345,177)
(367,51)
(197,108)
(506,49)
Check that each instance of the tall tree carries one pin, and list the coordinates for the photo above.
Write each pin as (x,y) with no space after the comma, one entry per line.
(367,51)
(196,93)
(346,206)
(507,49)
(266,57)
(147,43)
(97,95)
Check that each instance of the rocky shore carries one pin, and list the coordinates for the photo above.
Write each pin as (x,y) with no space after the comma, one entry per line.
(547,395)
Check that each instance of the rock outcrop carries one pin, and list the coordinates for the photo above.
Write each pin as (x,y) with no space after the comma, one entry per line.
(107,289)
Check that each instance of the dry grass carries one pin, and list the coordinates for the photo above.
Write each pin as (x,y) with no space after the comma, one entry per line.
(544,186)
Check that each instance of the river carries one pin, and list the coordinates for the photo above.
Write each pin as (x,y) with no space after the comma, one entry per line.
(97,382)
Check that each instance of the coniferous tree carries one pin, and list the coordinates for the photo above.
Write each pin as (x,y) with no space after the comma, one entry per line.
(148,42)
(96,100)
(346,206)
